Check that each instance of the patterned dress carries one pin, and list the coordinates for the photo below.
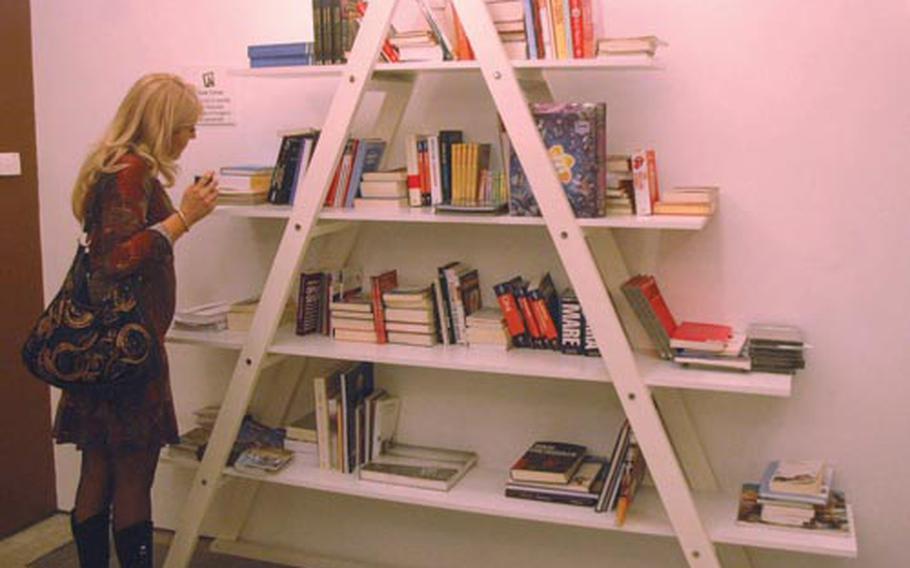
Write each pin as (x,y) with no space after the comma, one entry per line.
(126,239)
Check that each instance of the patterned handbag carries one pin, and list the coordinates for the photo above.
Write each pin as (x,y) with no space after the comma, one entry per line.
(101,347)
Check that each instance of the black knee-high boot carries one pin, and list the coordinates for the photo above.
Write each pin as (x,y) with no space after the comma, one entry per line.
(92,540)
(134,545)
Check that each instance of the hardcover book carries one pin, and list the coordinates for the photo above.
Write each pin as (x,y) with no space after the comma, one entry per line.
(575,137)
(548,462)
(419,466)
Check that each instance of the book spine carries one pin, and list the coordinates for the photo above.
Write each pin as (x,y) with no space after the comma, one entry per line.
(546,28)
(600,114)
(413,169)
(378,311)
(570,34)
(278,50)
(530,494)
(653,188)
(549,333)
(456,306)
(571,326)
(531,28)
(527,312)
(577,25)
(317,32)
(640,184)
(557,18)
(322,423)
(262,62)
(449,328)
(434,167)
(309,304)
(463,49)
(591,349)
(589,39)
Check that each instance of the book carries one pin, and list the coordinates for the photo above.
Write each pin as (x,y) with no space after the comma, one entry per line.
(548,462)
(383,413)
(356,385)
(419,466)
(326,387)
(646,45)
(302,429)
(406,338)
(651,308)
(610,489)
(575,137)
(384,189)
(804,481)
(380,283)
(583,481)
(260,460)
(367,158)
(831,517)
(293,155)
(380,203)
(644,181)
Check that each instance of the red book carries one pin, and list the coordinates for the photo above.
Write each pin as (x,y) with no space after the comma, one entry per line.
(330,196)
(511,312)
(587,26)
(576,22)
(527,312)
(683,335)
(380,283)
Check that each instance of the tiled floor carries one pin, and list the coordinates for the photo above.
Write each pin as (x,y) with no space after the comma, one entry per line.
(34,542)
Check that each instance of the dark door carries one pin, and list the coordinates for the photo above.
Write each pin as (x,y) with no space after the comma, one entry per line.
(27,492)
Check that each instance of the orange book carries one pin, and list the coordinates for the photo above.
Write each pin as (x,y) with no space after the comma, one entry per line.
(463,51)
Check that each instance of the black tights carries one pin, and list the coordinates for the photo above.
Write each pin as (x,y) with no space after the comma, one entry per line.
(124,481)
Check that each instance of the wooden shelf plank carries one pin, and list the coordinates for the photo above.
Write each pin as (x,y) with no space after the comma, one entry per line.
(612,63)
(481,492)
(420,215)
(519,362)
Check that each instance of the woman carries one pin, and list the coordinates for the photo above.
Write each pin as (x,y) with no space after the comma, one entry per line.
(132,226)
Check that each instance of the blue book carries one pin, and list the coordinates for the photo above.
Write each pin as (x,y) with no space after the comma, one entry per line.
(309,144)
(367,159)
(576,143)
(260,62)
(530,29)
(280,50)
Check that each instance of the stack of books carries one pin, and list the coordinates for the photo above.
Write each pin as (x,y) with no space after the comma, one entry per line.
(620,192)
(300,435)
(557,472)
(687,200)
(244,185)
(626,472)
(410,317)
(417,45)
(640,45)
(796,495)
(352,319)
(775,348)
(198,436)
(385,190)
(688,343)
(509,19)
(280,54)
(487,328)
(205,317)
(240,314)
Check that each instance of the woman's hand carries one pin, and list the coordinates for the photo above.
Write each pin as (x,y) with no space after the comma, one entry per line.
(199,199)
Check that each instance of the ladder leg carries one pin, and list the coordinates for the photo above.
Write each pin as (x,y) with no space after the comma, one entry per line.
(294,242)
(582,270)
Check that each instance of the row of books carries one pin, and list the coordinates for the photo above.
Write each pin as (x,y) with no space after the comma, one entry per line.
(762,347)
(560,472)
(798,495)
(354,426)
(220,316)
(258,449)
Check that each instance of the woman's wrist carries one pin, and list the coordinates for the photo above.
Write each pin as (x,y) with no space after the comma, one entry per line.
(182,217)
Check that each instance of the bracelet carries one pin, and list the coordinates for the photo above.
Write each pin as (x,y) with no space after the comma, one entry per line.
(183,220)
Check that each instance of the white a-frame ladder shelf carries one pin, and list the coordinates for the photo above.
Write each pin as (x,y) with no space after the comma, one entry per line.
(569,241)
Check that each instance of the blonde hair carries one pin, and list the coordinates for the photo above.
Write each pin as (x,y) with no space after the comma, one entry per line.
(155,107)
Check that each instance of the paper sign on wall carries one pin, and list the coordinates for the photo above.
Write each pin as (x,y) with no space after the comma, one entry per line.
(216,93)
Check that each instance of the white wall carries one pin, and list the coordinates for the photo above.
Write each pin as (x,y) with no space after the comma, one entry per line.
(797,110)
